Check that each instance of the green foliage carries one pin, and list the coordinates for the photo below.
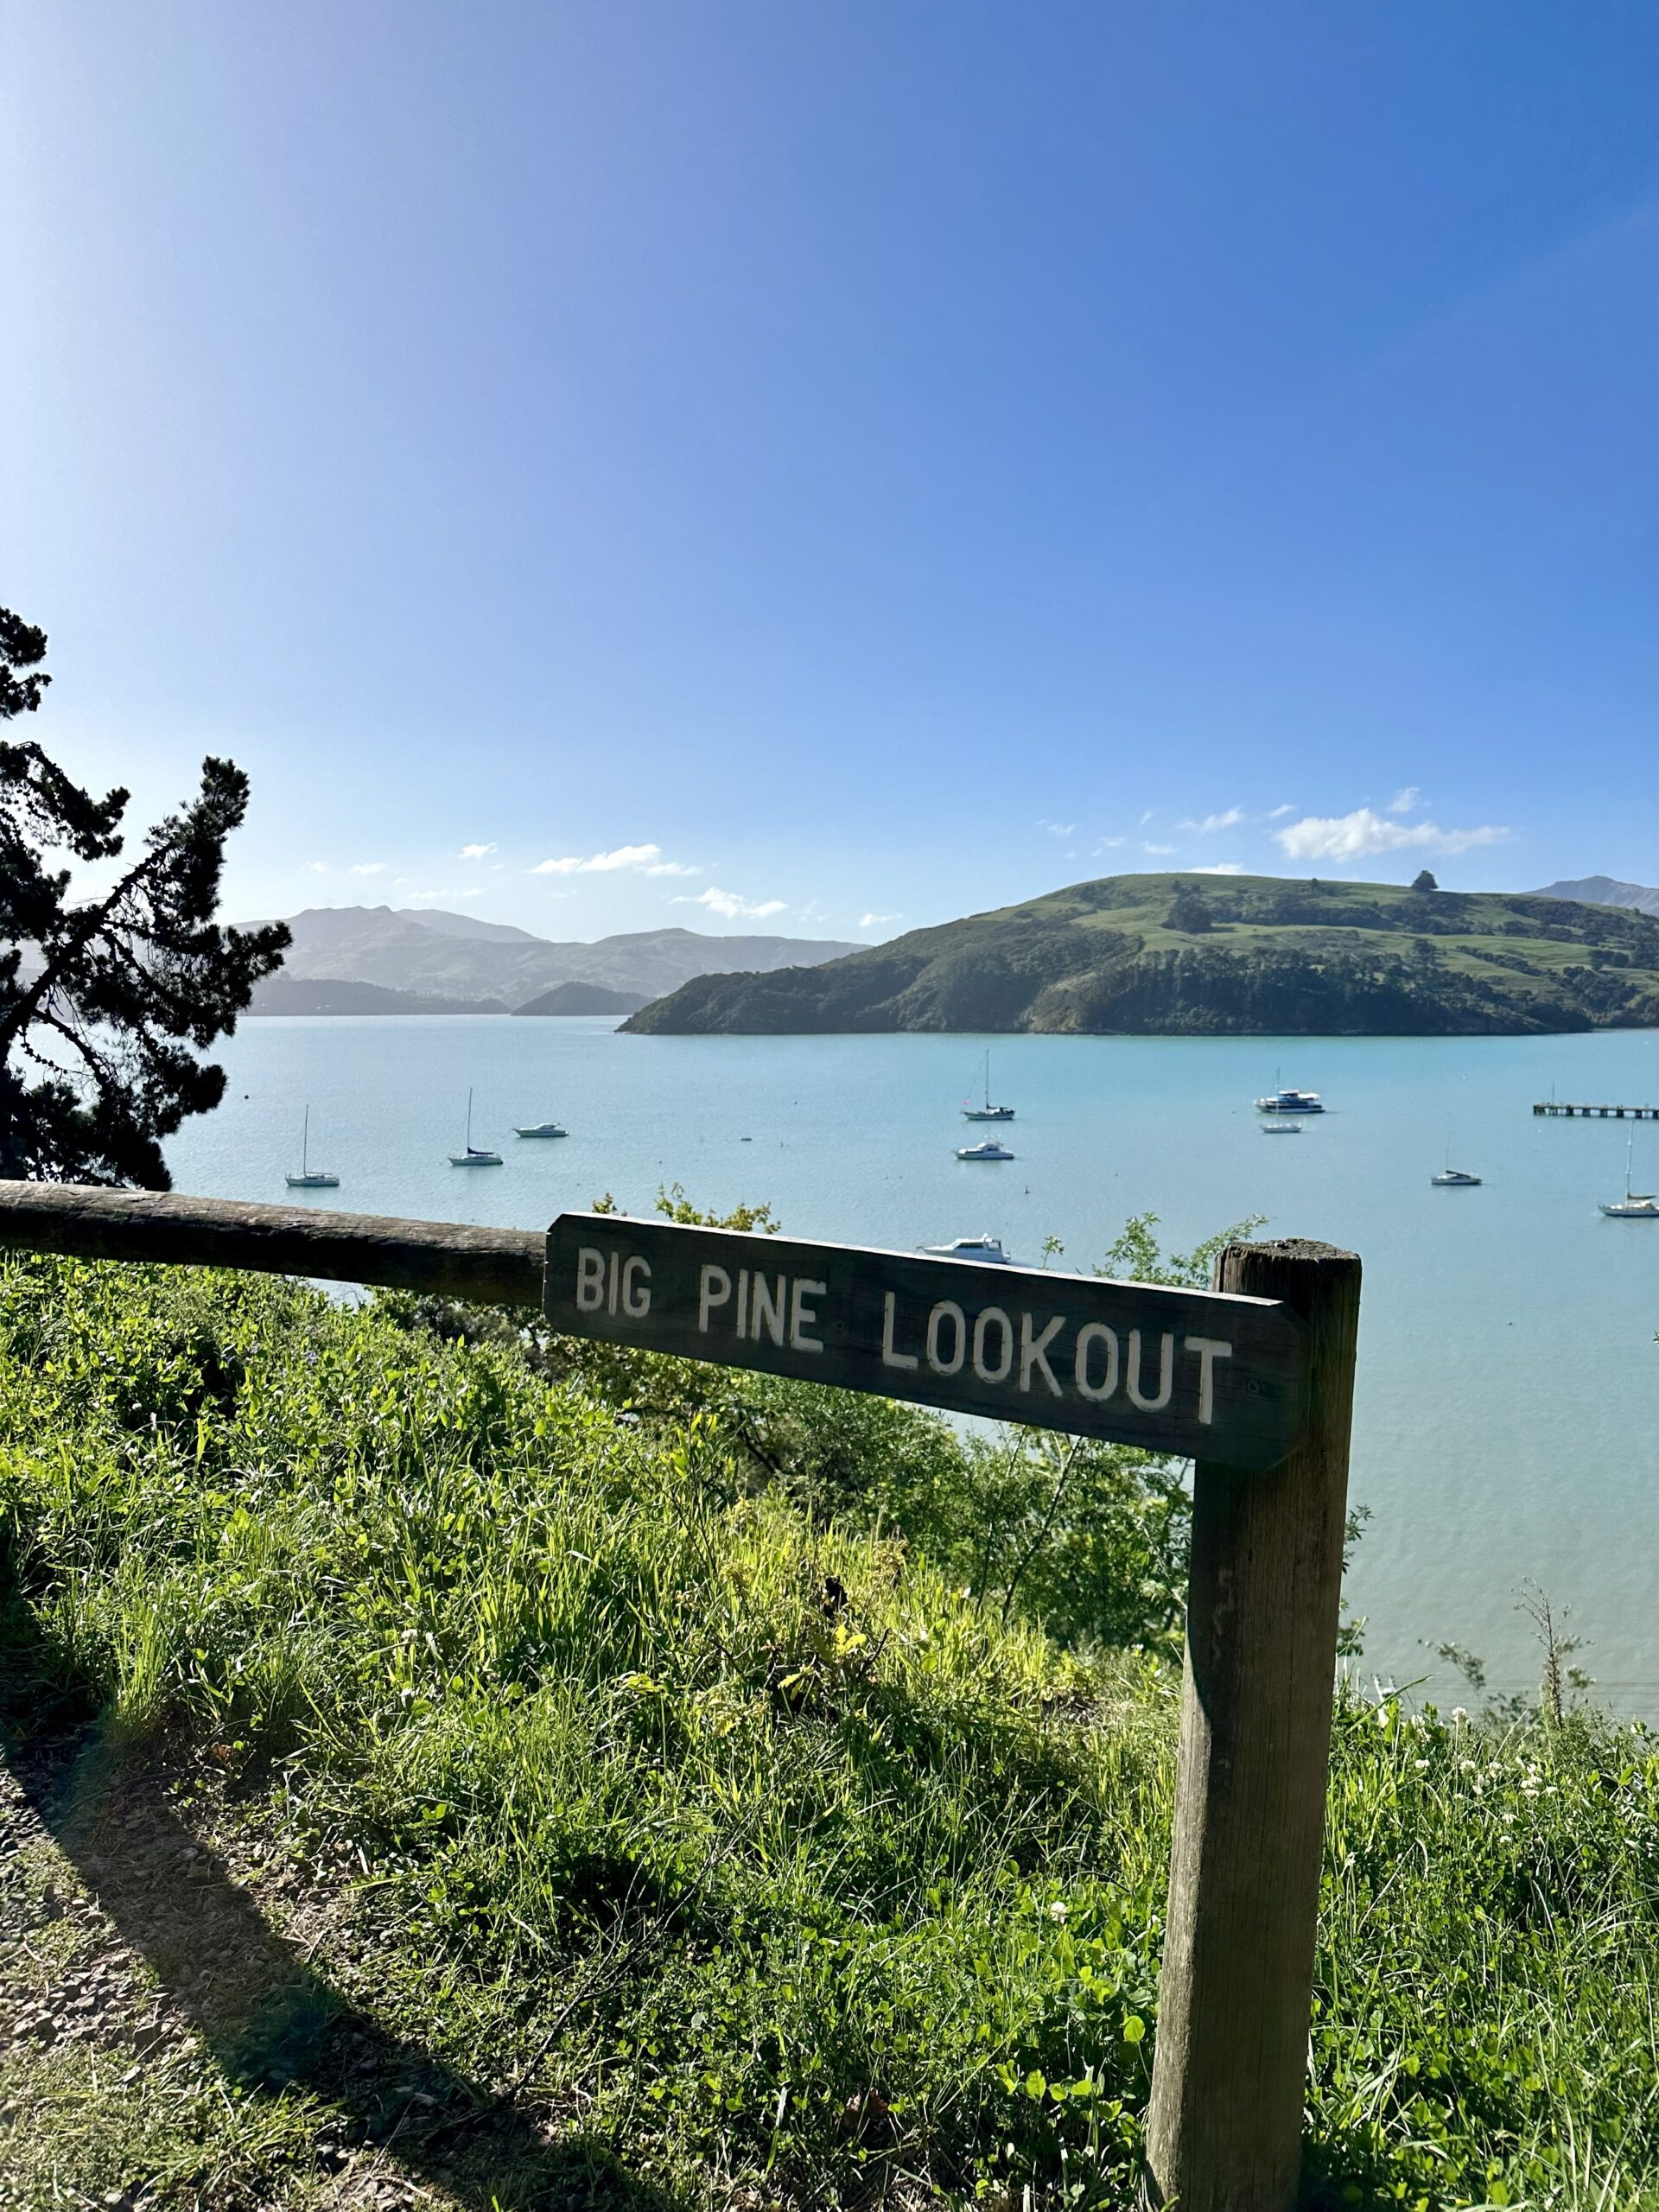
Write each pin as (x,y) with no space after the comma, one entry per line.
(1483,2022)
(791,1867)
(729,1808)
(1087,1539)
(100,1037)
(1272,956)
(1188,912)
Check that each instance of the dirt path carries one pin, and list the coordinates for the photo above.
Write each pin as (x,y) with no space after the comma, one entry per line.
(171,2039)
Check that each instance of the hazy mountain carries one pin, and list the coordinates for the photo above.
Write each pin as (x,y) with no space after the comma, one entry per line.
(434,918)
(281,994)
(454,956)
(1217,956)
(1606,891)
(584,998)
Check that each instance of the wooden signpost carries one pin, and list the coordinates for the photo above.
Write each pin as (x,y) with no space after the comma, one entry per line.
(1181,1371)
(1252,1379)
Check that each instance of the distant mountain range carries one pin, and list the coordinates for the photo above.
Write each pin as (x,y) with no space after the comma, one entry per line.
(1217,956)
(373,959)
(1605,891)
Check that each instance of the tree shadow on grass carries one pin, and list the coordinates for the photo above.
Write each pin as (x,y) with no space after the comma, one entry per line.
(271,2021)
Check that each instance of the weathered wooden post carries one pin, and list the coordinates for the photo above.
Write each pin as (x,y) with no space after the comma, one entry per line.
(1224,2129)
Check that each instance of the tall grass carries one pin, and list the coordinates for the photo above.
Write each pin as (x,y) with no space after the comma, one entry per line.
(749,1831)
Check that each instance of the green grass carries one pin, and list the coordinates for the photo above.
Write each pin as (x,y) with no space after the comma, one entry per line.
(680,1837)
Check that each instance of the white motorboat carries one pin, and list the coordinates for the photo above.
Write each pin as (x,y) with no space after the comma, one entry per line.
(987,1250)
(475,1155)
(1280,1128)
(1289,1101)
(310,1178)
(991,1149)
(987,1112)
(542,1129)
(1634,1206)
(1455,1178)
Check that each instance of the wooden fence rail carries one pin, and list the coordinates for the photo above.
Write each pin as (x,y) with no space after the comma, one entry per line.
(492,1266)
(1270,1357)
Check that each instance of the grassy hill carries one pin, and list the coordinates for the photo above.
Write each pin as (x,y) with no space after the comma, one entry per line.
(1220,955)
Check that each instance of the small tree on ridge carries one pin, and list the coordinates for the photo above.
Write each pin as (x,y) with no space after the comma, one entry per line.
(1188,912)
(102,999)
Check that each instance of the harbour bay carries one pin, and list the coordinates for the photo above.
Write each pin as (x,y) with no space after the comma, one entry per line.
(1508,1379)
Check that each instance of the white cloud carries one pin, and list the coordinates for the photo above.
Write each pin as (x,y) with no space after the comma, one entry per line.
(647,860)
(316,867)
(1220,868)
(732,905)
(1280,812)
(475,852)
(1059,828)
(1157,848)
(1355,836)
(368,868)
(1109,844)
(446,894)
(1145,818)
(624,856)
(1230,820)
(877,921)
(1407,801)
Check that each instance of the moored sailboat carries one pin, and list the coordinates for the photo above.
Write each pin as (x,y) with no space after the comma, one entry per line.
(310,1178)
(1634,1206)
(987,1112)
(475,1155)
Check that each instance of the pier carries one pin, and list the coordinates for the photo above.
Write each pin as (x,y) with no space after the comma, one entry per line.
(1598,1113)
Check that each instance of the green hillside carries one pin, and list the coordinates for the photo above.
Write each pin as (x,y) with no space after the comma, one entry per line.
(1215,955)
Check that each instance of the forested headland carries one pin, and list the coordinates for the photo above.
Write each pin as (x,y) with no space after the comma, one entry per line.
(1217,956)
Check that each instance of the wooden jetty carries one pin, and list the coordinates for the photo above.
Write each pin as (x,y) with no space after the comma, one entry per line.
(1598,1113)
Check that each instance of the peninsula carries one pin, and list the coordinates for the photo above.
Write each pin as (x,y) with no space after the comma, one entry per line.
(1188,954)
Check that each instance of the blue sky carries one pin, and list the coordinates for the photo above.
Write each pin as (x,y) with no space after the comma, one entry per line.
(831,466)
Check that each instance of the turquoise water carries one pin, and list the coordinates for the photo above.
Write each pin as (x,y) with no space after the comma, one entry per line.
(1508,1419)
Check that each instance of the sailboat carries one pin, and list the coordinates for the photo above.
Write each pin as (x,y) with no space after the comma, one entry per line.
(474,1155)
(987,1112)
(309,1178)
(1634,1206)
(1454,1178)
